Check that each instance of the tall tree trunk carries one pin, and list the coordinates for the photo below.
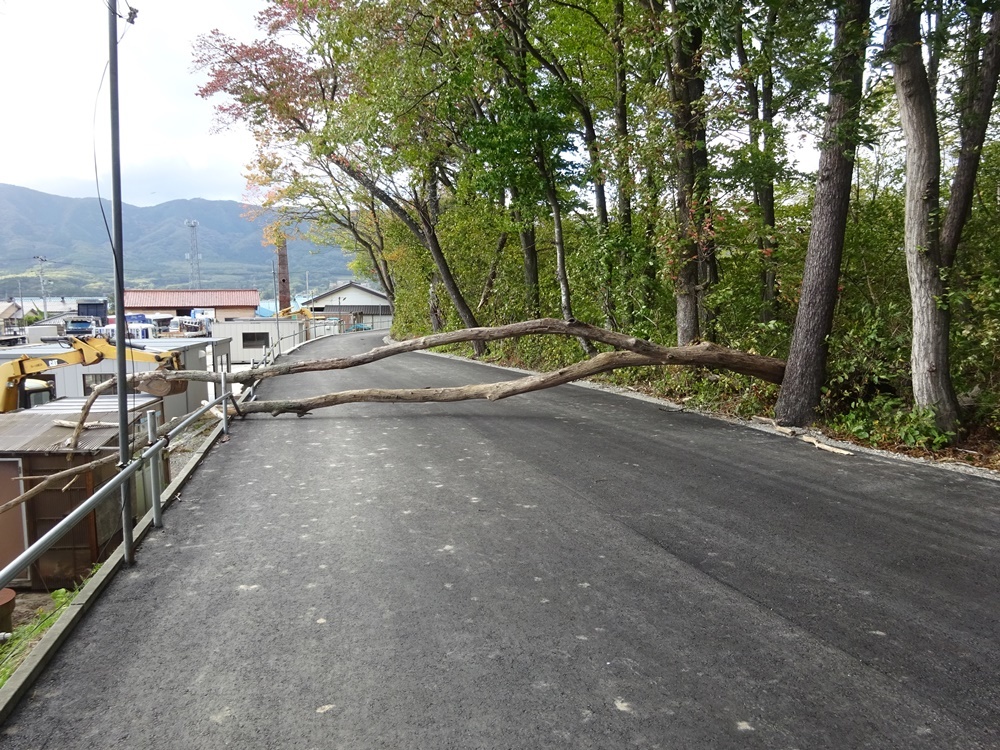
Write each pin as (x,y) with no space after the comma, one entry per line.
(284,290)
(562,275)
(565,298)
(979,89)
(696,270)
(491,276)
(529,253)
(375,248)
(708,268)
(929,356)
(622,259)
(450,284)
(424,230)
(806,369)
(621,123)
(761,100)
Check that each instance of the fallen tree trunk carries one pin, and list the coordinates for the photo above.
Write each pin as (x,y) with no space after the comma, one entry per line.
(770,369)
(632,352)
(705,354)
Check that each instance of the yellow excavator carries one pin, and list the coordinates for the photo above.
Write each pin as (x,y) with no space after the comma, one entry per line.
(80,351)
(288,312)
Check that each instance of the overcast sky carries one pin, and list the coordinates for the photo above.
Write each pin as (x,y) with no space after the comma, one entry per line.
(52,56)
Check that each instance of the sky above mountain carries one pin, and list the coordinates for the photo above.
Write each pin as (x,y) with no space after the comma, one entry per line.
(55,94)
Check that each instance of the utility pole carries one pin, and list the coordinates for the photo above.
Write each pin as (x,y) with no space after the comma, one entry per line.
(21,295)
(118,251)
(41,281)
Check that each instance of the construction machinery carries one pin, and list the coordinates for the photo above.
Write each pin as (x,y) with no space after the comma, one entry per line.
(80,351)
(288,312)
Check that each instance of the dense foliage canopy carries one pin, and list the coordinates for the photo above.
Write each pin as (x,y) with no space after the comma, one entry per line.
(650,168)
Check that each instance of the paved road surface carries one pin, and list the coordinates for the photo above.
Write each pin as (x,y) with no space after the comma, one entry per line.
(569,569)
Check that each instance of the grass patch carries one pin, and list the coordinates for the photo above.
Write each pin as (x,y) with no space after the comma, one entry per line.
(24,637)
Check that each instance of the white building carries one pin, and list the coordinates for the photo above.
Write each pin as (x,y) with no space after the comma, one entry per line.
(354,305)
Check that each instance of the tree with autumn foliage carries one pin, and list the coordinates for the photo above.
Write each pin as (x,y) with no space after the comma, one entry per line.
(632,163)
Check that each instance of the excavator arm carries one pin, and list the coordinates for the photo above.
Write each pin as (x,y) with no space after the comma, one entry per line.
(84,352)
(288,312)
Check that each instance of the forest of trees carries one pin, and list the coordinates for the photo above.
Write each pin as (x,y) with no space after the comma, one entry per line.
(635,165)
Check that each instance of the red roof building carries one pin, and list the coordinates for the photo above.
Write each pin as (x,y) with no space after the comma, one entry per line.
(226,303)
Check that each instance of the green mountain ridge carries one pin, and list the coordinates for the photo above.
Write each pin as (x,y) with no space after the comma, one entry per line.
(70,233)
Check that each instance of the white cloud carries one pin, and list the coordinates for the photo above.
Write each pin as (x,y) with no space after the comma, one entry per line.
(53,55)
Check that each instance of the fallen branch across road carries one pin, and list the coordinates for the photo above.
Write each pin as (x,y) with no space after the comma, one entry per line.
(603,362)
(630,352)
(709,355)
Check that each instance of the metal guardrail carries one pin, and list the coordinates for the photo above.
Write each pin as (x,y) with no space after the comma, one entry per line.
(151,454)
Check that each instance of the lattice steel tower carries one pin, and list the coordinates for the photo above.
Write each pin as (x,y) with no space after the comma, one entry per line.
(194,256)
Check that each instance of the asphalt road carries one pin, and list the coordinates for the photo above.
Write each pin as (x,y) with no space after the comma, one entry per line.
(567,569)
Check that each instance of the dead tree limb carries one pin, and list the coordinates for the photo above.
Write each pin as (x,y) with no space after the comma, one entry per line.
(54,479)
(632,352)
(705,354)
(96,391)
(770,369)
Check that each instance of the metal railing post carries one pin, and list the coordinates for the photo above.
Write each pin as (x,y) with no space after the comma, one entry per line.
(225,406)
(155,462)
(119,482)
(128,542)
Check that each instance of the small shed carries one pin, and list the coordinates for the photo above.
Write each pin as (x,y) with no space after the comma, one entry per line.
(31,446)
(11,319)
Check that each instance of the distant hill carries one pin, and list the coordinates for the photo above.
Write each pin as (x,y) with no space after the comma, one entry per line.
(71,235)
